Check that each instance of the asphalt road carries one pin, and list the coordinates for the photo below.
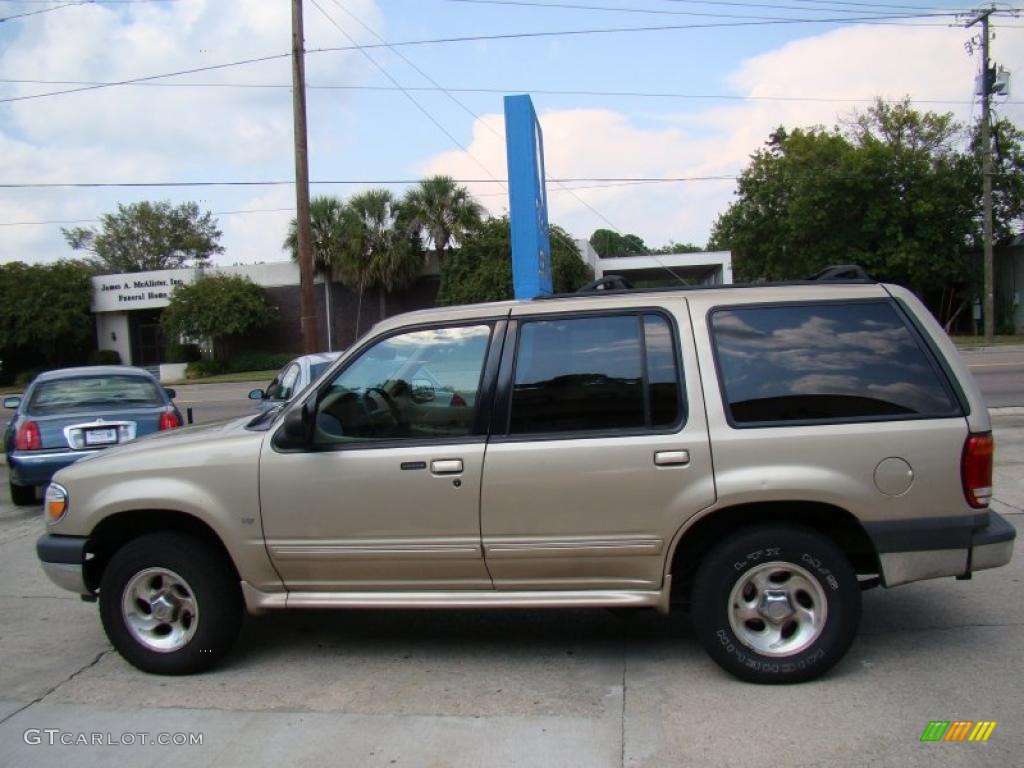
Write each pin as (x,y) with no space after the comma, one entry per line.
(545,688)
(1000,374)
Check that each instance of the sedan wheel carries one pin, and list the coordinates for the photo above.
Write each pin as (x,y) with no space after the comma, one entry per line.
(22,495)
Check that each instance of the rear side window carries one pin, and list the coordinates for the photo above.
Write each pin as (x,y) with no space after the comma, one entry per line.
(596,373)
(825,362)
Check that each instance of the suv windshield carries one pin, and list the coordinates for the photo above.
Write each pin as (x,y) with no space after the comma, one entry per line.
(93,391)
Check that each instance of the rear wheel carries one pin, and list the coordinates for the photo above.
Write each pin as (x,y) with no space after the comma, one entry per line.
(22,495)
(170,604)
(776,604)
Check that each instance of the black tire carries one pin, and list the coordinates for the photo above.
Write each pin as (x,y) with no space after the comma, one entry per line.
(209,579)
(735,563)
(22,495)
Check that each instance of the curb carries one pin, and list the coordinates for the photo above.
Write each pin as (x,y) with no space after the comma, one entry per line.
(1007,410)
(1009,348)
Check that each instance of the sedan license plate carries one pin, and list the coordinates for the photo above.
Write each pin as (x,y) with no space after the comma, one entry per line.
(100,436)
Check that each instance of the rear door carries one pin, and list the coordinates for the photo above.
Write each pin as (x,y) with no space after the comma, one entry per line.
(599,448)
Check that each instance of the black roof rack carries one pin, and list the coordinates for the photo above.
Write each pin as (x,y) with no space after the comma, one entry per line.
(616,284)
(841,272)
(609,283)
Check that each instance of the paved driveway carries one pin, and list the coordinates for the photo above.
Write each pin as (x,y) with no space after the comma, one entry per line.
(555,688)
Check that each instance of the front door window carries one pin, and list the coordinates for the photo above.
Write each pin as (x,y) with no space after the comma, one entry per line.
(413,386)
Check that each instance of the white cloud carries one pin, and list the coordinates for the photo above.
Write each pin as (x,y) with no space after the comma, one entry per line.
(158,133)
(161,133)
(848,63)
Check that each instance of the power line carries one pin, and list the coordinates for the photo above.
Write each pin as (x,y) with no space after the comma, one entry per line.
(559,6)
(365,182)
(91,221)
(504,91)
(408,95)
(818,3)
(242,211)
(43,10)
(146,78)
(539,34)
(90,2)
(466,109)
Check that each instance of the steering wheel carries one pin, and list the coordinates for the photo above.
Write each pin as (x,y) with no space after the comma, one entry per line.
(389,401)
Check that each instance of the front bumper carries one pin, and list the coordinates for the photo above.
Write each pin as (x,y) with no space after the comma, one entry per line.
(986,544)
(38,468)
(63,560)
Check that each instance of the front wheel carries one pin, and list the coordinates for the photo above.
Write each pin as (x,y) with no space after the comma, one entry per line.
(170,604)
(776,604)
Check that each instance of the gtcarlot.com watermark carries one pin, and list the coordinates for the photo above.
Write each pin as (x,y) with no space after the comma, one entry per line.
(55,736)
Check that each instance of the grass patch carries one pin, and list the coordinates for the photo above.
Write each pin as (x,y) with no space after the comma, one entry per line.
(224,378)
(258,376)
(979,341)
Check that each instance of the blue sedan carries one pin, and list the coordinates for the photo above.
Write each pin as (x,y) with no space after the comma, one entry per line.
(70,413)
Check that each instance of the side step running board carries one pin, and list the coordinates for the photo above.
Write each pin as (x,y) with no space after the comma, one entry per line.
(257,601)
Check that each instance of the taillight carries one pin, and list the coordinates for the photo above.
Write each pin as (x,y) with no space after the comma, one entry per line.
(28,437)
(168,420)
(976,469)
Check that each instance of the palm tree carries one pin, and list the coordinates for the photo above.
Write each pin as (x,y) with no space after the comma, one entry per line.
(442,211)
(327,222)
(378,252)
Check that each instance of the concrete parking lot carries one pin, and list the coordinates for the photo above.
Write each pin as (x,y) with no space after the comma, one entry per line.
(584,687)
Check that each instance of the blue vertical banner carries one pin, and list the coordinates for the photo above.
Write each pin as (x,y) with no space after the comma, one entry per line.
(528,199)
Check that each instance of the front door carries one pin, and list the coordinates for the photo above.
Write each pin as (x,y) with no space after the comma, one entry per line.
(601,452)
(386,497)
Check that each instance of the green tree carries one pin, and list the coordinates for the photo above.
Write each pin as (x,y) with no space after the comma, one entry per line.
(481,269)
(443,212)
(45,315)
(328,218)
(1007,178)
(327,222)
(609,243)
(216,307)
(377,251)
(895,190)
(144,236)
(674,247)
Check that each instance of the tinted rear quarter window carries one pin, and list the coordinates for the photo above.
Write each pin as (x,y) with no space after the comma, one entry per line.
(851,361)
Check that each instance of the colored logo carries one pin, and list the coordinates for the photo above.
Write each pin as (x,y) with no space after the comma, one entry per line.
(958,730)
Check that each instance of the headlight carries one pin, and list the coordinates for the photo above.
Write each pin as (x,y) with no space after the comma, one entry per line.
(55,502)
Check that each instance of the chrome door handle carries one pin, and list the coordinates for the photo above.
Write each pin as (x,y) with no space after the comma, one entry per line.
(446,466)
(672,458)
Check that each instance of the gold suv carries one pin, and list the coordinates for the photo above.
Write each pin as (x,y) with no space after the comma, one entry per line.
(755,455)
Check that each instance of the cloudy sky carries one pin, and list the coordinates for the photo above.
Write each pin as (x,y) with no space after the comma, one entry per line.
(693,101)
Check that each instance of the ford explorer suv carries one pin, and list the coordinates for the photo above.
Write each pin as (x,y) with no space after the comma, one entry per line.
(755,455)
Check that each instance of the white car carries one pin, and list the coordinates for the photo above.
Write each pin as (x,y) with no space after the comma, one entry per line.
(293,378)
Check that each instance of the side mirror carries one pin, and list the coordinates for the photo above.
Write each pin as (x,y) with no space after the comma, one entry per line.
(171,393)
(422,391)
(296,429)
(257,394)
(12,402)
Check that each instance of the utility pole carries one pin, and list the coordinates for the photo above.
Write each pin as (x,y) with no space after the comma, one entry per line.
(305,235)
(988,308)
